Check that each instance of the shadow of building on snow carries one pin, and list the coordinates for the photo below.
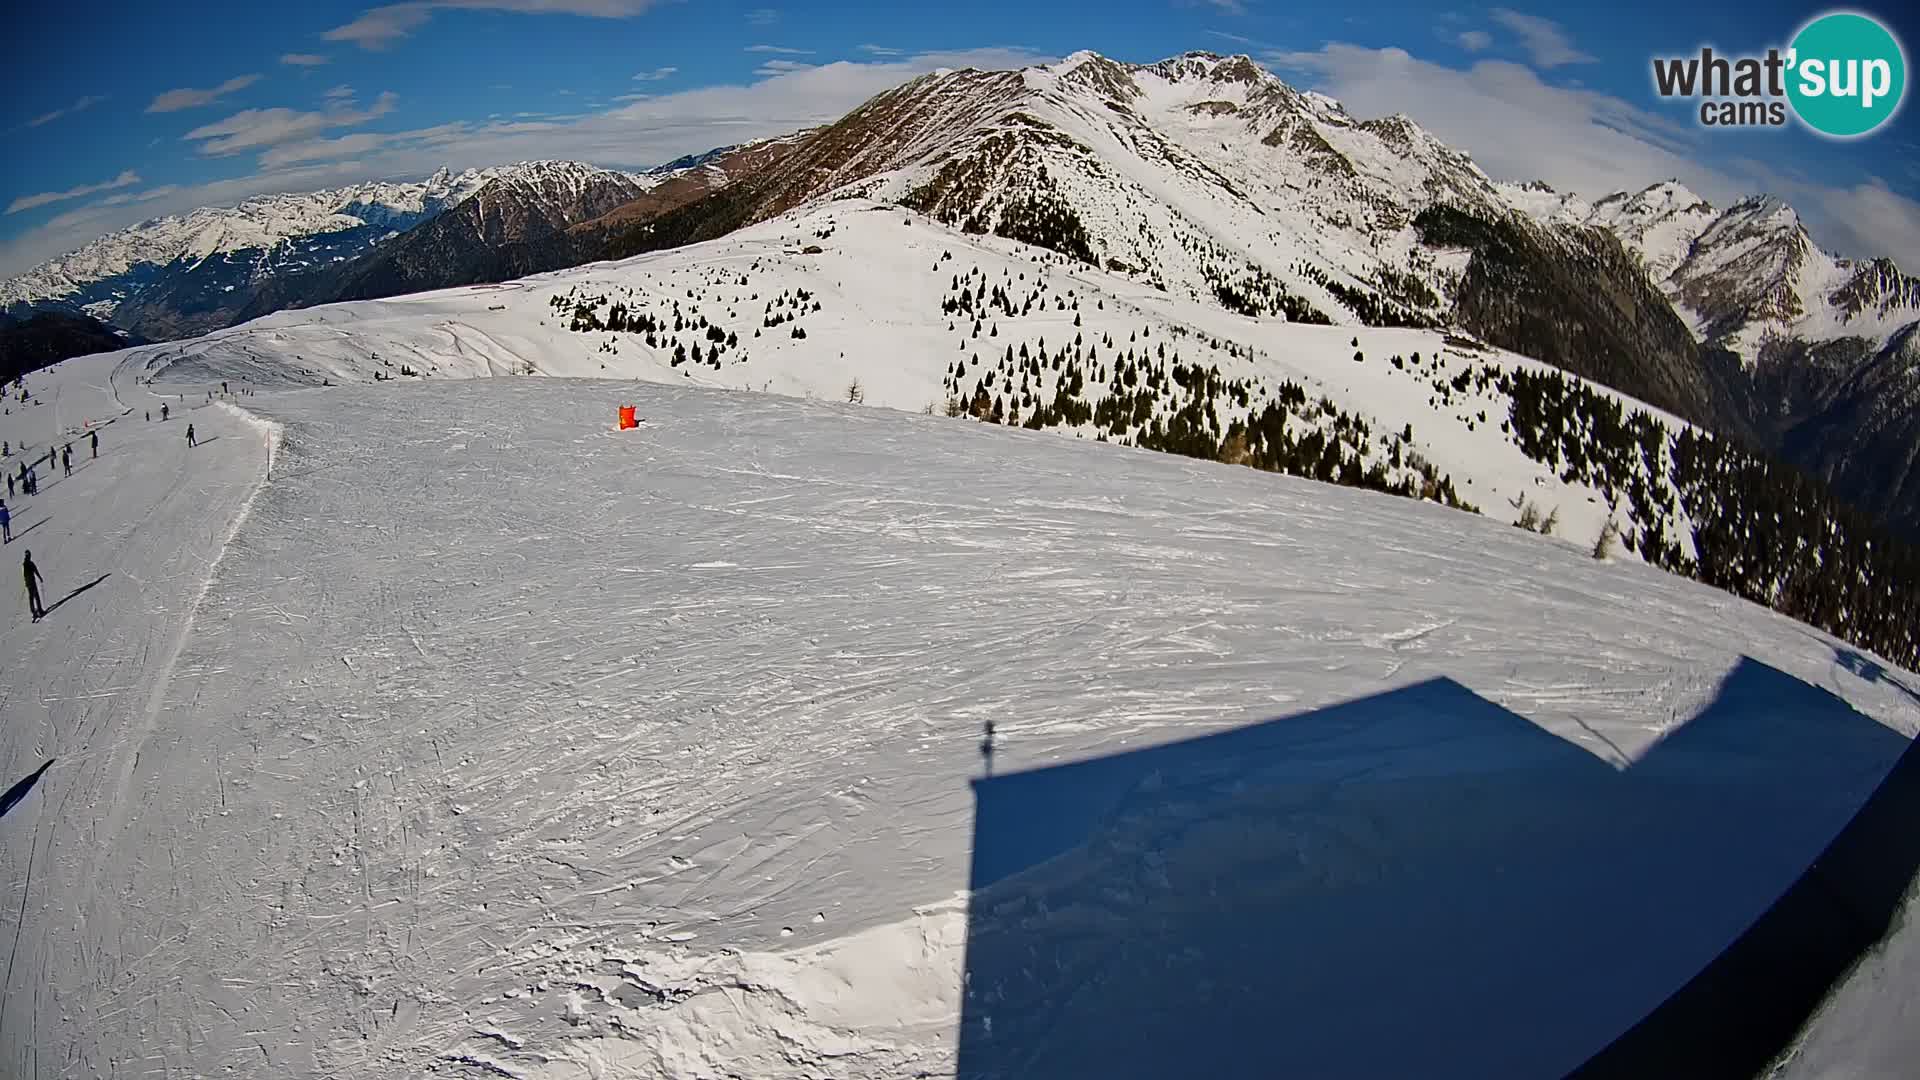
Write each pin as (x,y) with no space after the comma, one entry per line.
(1418,883)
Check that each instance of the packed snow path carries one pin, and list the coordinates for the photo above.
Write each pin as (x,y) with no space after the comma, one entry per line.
(495,741)
(126,545)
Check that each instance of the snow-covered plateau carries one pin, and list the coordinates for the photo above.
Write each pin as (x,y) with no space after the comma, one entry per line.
(436,727)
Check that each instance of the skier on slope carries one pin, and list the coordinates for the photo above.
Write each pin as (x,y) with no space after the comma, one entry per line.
(6,524)
(66,458)
(95,436)
(191,441)
(32,574)
(163,412)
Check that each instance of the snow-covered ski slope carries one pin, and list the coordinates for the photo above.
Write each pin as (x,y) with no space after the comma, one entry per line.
(439,729)
(880,277)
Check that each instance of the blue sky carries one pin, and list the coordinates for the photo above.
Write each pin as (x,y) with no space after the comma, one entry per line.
(136,110)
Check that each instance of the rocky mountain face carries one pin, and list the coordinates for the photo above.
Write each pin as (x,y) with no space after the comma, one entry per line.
(513,225)
(1202,175)
(1206,176)
(1815,351)
(1576,296)
(1848,413)
(539,216)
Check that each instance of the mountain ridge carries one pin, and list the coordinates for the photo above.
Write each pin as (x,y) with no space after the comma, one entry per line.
(1205,175)
(176,275)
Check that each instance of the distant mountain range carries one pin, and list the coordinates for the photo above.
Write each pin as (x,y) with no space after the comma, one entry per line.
(1202,176)
(183,275)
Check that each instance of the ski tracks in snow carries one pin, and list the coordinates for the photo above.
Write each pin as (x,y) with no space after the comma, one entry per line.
(128,540)
(509,745)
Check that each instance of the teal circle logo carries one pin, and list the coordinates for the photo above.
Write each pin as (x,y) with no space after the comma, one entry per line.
(1847,75)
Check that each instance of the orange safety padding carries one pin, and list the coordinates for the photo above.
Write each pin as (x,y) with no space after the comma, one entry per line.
(627,419)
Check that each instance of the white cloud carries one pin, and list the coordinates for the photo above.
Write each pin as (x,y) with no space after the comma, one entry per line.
(781,67)
(303,59)
(363,142)
(380,27)
(880,50)
(1584,141)
(1474,40)
(656,74)
(1543,39)
(148,195)
(1225,7)
(1240,39)
(28,202)
(86,102)
(175,100)
(639,134)
(338,93)
(257,128)
(763,16)
(1872,219)
(779,49)
(322,149)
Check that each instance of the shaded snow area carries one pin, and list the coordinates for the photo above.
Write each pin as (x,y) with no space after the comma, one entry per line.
(437,728)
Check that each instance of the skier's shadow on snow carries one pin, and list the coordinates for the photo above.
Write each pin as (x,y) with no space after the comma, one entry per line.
(11,798)
(78,591)
(1422,883)
(1872,670)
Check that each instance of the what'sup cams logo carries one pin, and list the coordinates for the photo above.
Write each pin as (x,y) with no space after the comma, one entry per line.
(1843,76)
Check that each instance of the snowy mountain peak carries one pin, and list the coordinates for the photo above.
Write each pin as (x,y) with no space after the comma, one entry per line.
(1659,223)
(1213,67)
(333,223)
(1671,192)
(1740,276)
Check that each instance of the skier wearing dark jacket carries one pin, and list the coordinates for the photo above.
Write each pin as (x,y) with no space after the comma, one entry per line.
(32,574)
(191,441)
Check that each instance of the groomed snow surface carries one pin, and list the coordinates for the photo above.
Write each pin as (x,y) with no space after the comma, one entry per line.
(440,729)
